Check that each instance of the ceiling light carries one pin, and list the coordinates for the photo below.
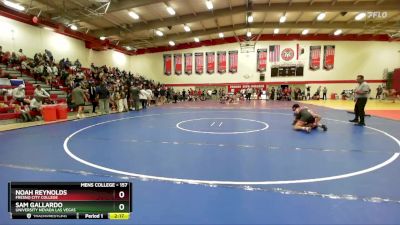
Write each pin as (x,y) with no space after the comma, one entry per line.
(209,4)
(305,32)
(276,31)
(14,5)
(73,27)
(171,43)
(321,16)
(338,32)
(134,15)
(221,35)
(248,34)
(159,33)
(196,39)
(250,18)
(360,16)
(282,19)
(102,38)
(170,10)
(186,28)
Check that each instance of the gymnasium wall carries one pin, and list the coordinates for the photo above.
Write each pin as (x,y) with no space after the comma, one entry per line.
(16,35)
(351,58)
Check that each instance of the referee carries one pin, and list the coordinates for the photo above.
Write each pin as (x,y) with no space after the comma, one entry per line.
(361,96)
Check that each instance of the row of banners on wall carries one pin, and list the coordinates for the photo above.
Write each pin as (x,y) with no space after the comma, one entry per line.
(199,62)
(185,64)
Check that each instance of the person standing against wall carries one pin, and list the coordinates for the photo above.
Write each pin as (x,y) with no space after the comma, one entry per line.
(379,92)
(324,91)
(361,96)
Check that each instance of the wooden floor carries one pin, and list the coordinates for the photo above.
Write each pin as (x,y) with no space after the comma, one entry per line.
(380,108)
(349,104)
(18,125)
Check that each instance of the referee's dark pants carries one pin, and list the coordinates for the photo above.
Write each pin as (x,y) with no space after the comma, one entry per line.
(359,109)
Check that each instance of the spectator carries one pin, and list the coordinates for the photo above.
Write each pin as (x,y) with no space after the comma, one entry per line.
(272,93)
(379,92)
(122,101)
(77,64)
(79,99)
(143,97)
(1,53)
(150,96)
(41,93)
(93,96)
(324,91)
(50,56)
(19,94)
(162,94)
(103,95)
(36,104)
(319,92)
(134,97)
(20,55)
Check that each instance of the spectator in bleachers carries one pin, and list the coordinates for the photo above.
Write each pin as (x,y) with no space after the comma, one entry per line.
(36,105)
(38,71)
(77,64)
(20,54)
(19,95)
(40,93)
(3,74)
(79,99)
(67,64)
(1,53)
(47,74)
(49,55)
(14,60)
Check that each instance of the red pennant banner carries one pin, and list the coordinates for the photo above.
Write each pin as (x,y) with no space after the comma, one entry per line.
(329,57)
(167,64)
(233,61)
(262,59)
(188,63)
(178,64)
(210,61)
(315,57)
(199,62)
(221,62)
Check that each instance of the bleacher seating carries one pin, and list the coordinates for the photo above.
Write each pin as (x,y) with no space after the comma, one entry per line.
(7,107)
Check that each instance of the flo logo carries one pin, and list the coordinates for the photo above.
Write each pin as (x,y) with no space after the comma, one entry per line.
(377,15)
(287,54)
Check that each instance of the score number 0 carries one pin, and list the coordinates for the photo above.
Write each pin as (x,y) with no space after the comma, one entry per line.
(121,194)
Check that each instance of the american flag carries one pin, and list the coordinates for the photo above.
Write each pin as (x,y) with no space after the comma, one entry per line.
(274,53)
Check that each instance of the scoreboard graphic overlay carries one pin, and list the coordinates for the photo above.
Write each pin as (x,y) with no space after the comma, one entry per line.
(66,200)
